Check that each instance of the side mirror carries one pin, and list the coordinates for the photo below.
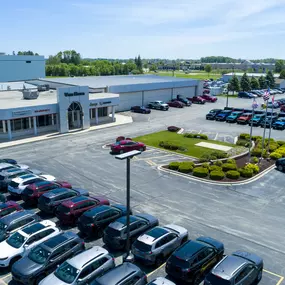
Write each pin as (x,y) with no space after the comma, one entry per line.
(51,260)
(57,265)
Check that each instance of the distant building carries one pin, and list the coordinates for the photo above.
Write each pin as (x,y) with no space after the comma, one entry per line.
(227,77)
(21,67)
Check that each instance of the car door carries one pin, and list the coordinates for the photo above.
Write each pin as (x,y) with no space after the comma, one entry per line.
(57,257)
(172,242)
(245,276)
(114,214)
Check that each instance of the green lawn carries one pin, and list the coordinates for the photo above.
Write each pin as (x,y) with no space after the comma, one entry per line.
(187,143)
(201,75)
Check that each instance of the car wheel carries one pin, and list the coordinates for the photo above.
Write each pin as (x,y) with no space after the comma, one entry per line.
(100,232)
(259,277)
(144,112)
(280,167)
(159,260)
(161,108)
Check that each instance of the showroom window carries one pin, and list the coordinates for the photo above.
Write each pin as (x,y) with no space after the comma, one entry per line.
(102,112)
(44,120)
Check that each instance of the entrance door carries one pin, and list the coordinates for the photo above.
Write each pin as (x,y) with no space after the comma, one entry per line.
(75,116)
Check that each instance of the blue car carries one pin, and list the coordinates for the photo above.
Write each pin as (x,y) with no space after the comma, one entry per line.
(248,95)
(279,124)
(222,116)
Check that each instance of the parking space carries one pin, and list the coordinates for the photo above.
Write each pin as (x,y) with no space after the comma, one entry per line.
(247,217)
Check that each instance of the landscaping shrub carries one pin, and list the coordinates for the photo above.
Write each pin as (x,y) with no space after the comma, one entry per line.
(187,163)
(173,129)
(273,147)
(229,166)
(265,154)
(281,151)
(254,167)
(200,136)
(200,172)
(184,168)
(217,175)
(246,173)
(275,155)
(215,168)
(256,152)
(188,135)
(281,142)
(206,165)
(169,146)
(220,154)
(254,159)
(256,138)
(232,161)
(233,174)
(244,136)
(267,140)
(218,163)
(121,138)
(241,142)
(212,157)
(174,165)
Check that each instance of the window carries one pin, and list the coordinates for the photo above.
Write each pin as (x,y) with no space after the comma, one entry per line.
(28,61)
(242,274)
(85,272)
(45,233)
(102,112)
(171,237)
(44,120)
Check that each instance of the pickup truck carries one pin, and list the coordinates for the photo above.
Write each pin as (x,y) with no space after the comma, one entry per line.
(279,124)
(268,121)
(222,116)
(244,119)
(159,105)
(185,101)
(256,120)
(197,100)
(213,113)
(232,118)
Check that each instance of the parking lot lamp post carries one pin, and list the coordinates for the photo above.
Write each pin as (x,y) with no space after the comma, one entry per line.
(254,106)
(128,156)
(269,136)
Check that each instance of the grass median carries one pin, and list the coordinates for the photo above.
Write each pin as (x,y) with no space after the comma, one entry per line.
(189,144)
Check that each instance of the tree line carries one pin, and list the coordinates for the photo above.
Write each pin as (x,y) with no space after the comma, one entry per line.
(70,63)
(247,84)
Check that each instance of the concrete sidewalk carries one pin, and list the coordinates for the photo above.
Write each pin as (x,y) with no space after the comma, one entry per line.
(120,120)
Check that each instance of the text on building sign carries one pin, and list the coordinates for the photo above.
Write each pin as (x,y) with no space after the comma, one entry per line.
(66,94)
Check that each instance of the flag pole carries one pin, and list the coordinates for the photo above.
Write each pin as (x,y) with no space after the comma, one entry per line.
(254,105)
(272,101)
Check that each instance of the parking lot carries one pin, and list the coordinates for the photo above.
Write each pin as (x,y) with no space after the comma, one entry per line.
(247,217)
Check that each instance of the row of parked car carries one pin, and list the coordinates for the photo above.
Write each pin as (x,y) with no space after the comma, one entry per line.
(260,93)
(39,252)
(178,102)
(243,116)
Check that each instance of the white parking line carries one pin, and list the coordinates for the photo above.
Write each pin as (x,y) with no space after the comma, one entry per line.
(216,136)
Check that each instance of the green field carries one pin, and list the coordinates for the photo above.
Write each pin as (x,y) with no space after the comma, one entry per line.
(179,140)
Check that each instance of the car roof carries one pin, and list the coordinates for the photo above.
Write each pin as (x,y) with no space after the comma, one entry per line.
(94,211)
(152,235)
(42,183)
(189,249)
(122,222)
(75,200)
(24,177)
(16,215)
(228,266)
(4,165)
(62,238)
(84,257)
(118,273)
(31,229)
(55,192)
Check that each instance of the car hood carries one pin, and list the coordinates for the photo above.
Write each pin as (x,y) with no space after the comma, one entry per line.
(103,200)
(243,118)
(8,251)
(232,116)
(176,228)
(52,279)
(82,192)
(221,115)
(64,184)
(164,104)
(26,266)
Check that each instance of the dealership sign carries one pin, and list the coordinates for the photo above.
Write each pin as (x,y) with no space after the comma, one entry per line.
(41,111)
(66,94)
(21,113)
(101,103)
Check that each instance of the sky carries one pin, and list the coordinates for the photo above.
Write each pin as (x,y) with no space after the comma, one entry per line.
(188,29)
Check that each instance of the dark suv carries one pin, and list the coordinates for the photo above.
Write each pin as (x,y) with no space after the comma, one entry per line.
(49,201)
(44,258)
(280,164)
(124,274)
(192,260)
(213,113)
(15,221)
(115,235)
(69,211)
(9,207)
(239,268)
(94,221)
(32,192)
(140,109)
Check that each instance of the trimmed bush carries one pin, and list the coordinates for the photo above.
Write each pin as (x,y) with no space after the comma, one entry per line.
(188,135)
(254,167)
(173,129)
(233,174)
(254,159)
(174,165)
(256,152)
(241,142)
(265,154)
(215,168)
(200,172)
(185,168)
(246,173)
(206,165)
(232,161)
(275,155)
(273,147)
(212,157)
(281,151)
(256,138)
(169,146)
(218,163)
(200,136)
(229,166)
(187,163)
(217,175)
(281,142)
(244,136)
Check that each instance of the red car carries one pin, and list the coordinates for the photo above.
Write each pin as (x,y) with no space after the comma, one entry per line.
(197,100)
(69,211)
(127,145)
(8,208)
(209,98)
(244,119)
(206,91)
(34,191)
(175,104)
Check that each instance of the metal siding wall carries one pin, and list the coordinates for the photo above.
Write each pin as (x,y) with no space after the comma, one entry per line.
(157,95)
(184,91)
(127,100)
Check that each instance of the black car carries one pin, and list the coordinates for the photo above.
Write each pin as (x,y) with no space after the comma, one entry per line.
(268,121)
(140,109)
(15,221)
(213,113)
(185,101)
(44,258)
(115,235)
(194,259)
(94,221)
(124,274)
(49,201)
(280,164)
(8,160)
(239,268)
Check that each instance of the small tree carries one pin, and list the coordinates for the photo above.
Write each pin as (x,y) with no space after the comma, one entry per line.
(262,82)
(282,74)
(234,84)
(270,79)
(254,83)
(279,65)
(245,83)
(208,68)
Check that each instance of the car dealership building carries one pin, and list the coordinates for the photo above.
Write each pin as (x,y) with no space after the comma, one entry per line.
(44,105)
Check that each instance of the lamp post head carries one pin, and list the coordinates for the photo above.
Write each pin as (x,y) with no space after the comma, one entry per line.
(129,154)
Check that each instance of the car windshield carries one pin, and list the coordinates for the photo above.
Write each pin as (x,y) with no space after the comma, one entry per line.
(39,255)
(213,111)
(63,209)
(14,184)
(66,273)
(16,240)
(141,246)
(216,280)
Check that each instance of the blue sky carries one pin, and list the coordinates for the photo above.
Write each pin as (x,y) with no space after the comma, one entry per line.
(152,28)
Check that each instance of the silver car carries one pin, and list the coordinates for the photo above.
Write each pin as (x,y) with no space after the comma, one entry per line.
(160,281)
(155,245)
(82,268)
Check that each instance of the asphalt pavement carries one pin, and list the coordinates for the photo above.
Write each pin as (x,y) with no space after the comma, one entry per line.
(249,217)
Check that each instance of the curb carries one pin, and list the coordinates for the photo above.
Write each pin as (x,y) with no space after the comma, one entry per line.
(247,181)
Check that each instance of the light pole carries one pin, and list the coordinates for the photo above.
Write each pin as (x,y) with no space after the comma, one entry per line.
(254,106)
(128,156)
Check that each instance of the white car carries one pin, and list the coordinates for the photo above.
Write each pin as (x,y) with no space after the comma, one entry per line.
(6,166)
(19,184)
(21,242)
